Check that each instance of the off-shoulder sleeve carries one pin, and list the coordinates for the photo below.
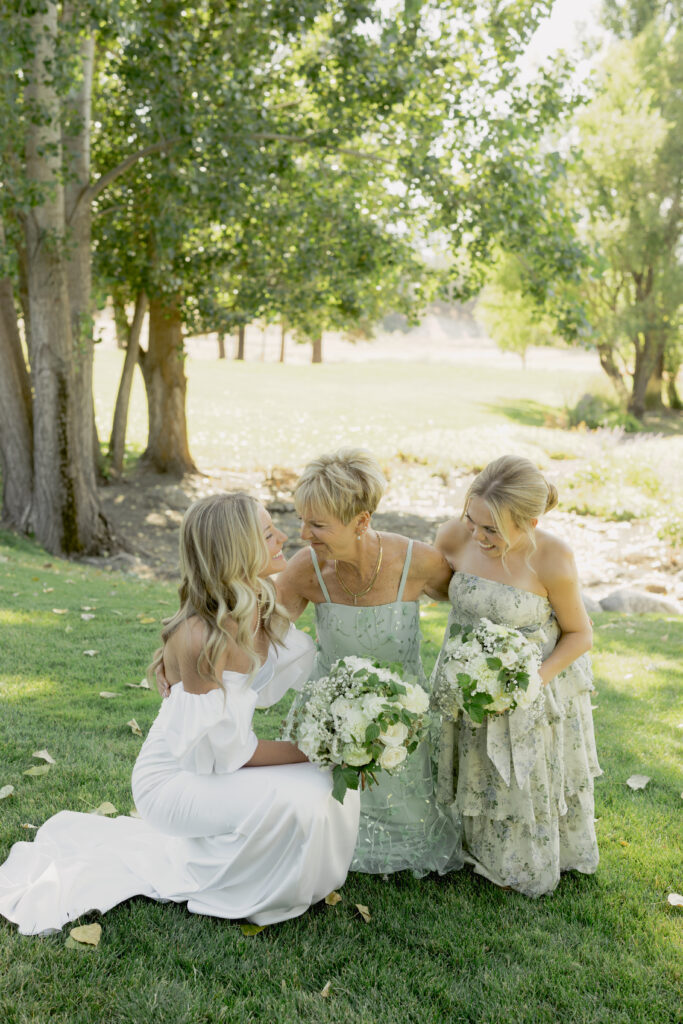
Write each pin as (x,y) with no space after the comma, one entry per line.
(211,732)
(290,665)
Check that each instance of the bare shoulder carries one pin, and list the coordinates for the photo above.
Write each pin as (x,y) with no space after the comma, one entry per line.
(450,537)
(185,647)
(554,559)
(426,559)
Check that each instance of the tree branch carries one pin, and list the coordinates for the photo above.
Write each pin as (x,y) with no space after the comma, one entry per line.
(115,172)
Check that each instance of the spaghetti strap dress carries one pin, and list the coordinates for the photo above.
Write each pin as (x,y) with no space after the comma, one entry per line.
(524,782)
(229,840)
(401,826)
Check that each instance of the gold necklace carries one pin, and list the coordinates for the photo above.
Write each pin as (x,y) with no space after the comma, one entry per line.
(362,593)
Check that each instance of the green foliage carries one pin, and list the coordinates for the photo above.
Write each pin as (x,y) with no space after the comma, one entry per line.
(435,949)
(599,411)
(509,312)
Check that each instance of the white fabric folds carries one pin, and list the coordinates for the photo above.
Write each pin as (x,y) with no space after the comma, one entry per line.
(230,841)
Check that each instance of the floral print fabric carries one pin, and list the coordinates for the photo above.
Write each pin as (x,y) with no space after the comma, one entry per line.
(524,781)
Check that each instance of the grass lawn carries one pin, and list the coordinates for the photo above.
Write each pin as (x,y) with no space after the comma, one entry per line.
(605,949)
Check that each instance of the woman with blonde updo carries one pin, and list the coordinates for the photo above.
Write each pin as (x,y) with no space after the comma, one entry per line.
(365,586)
(524,783)
(235,826)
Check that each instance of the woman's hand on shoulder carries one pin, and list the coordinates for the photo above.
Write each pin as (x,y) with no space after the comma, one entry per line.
(431,568)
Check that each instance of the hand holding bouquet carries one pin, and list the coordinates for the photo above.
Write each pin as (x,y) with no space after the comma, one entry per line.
(359,719)
(486,669)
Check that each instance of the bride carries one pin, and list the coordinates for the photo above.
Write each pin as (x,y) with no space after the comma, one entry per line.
(235,826)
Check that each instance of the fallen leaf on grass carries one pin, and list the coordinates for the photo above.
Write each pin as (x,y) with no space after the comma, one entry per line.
(142,685)
(107,694)
(68,629)
(45,756)
(363,911)
(6,791)
(87,934)
(637,781)
(134,813)
(332,899)
(60,611)
(325,990)
(87,617)
(39,769)
(134,727)
(251,929)
(90,654)
(27,825)
(48,590)
(146,620)
(622,842)
(104,809)
(88,608)
(675,899)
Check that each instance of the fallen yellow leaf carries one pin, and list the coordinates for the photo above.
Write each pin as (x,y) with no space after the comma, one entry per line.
(325,990)
(6,791)
(39,769)
(107,694)
(89,934)
(251,929)
(363,911)
(134,727)
(105,808)
(146,620)
(45,756)
(60,611)
(332,899)
(27,825)
(142,685)
(675,899)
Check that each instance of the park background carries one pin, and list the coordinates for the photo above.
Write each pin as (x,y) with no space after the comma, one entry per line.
(531,324)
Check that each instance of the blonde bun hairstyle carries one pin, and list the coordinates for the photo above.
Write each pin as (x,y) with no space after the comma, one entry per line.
(222,553)
(514,485)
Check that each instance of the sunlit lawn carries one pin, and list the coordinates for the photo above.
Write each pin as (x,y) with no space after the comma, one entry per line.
(259,415)
(600,950)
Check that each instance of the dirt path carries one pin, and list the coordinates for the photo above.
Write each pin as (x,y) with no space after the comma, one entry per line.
(146,510)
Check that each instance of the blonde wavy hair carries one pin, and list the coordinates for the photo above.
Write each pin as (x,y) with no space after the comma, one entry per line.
(222,552)
(343,484)
(514,485)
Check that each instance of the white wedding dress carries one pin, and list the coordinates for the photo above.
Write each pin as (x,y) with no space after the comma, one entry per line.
(233,842)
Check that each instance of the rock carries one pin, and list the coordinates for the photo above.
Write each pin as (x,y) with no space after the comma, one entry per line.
(592,606)
(638,602)
(123,562)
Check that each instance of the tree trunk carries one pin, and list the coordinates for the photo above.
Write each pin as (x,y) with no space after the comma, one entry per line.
(65,513)
(76,149)
(607,362)
(117,441)
(221,345)
(121,324)
(647,350)
(163,368)
(16,441)
(283,338)
(241,330)
(317,356)
(672,393)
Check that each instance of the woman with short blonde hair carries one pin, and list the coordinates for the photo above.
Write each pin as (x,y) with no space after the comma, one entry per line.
(365,585)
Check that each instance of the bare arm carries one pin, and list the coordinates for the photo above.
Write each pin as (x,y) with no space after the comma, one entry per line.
(436,572)
(290,584)
(275,752)
(558,574)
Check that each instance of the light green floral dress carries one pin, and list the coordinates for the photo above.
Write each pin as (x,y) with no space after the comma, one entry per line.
(401,826)
(524,782)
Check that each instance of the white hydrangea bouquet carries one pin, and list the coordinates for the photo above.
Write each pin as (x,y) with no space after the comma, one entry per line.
(486,669)
(359,719)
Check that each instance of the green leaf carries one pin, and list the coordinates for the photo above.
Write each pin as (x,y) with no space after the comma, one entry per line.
(339,784)
(372,732)
(494,663)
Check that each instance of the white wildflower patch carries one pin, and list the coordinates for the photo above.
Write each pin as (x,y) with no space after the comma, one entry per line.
(360,719)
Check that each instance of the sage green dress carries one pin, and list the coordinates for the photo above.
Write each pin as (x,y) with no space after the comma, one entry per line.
(524,779)
(401,826)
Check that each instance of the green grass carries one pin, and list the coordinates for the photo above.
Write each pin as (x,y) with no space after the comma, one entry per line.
(600,950)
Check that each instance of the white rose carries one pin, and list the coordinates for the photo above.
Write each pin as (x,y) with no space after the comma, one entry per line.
(415,699)
(394,735)
(341,706)
(503,702)
(509,658)
(372,704)
(392,757)
(355,754)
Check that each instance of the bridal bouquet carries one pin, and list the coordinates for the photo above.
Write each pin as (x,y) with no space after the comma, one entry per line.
(359,719)
(486,669)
